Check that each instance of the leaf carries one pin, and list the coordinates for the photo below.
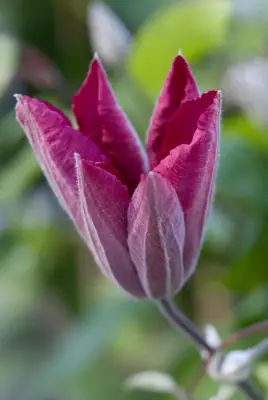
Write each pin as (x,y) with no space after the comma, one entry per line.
(241,176)
(9,50)
(196,27)
(242,127)
(18,175)
(154,381)
(81,345)
(262,374)
(250,271)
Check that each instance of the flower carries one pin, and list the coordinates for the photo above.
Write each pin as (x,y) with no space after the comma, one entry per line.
(142,215)
(232,368)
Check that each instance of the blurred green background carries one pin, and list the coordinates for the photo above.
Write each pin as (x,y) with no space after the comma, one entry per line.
(65,332)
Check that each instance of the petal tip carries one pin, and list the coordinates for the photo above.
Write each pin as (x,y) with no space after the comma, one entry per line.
(21,100)
(216,97)
(212,97)
(95,64)
(18,97)
(96,56)
(180,61)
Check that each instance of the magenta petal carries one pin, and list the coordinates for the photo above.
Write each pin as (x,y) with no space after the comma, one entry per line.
(104,202)
(156,236)
(181,127)
(191,170)
(54,142)
(100,117)
(180,86)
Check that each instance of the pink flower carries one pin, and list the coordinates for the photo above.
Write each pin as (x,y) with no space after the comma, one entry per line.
(143,223)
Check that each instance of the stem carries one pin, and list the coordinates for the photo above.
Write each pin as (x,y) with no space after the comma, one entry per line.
(256,328)
(178,319)
(249,391)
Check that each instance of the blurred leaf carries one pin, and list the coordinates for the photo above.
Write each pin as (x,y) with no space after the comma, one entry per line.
(247,38)
(246,129)
(82,345)
(134,16)
(195,27)
(9,50)
(250,272)
(241,177)
(154,381)
(18,175)
(262,374)
(252,307)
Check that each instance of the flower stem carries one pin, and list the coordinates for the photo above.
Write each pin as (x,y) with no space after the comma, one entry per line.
(256,328)
(178,319)
(249,391)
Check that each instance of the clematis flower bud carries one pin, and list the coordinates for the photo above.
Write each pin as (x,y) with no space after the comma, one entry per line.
(142,215)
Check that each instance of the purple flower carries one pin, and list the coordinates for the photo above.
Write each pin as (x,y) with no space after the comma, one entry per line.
(141,214)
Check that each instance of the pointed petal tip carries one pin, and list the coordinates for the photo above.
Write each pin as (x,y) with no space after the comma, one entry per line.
(216,98)
(219,95)
(96,62)
(180,61)
(21,99)
(21,107)
(96,56)
(18,97)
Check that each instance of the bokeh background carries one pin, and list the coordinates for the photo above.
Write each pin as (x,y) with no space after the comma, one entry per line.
(65,332)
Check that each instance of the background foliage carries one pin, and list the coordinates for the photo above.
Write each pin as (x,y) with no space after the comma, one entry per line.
(66,333)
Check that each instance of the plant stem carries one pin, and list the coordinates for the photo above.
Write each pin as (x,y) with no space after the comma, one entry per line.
(249,391)
(179,320)
(256,328)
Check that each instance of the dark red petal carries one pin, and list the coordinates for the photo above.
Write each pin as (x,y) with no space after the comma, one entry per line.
(104,202)
(180,86)
(191,169)
(54,143)
(100,117)
(181,127)
(156,236)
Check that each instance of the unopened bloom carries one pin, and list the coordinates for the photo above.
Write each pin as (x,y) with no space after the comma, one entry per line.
(230,368)
(142,215)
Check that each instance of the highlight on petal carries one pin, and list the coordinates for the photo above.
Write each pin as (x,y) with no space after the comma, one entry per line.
(54,142)
(191,170)
(156,236)
(179,87)
(100,117)
(104,202)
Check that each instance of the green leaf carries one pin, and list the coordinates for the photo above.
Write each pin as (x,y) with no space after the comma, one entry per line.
(82,345)
(18,175)
(195,27)
(250,271)
(262,374)
(241,178)
(248,130)
(9,50)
